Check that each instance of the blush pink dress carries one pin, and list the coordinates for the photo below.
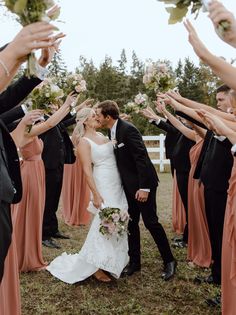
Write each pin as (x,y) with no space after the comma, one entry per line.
(228,285)
(178,211)
(75,195)
(28,213)
(10,303)
(199,246)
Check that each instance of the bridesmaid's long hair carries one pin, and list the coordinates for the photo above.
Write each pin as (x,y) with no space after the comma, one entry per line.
(79,130)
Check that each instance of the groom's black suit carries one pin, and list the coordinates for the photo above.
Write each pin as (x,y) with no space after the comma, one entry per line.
(137,172)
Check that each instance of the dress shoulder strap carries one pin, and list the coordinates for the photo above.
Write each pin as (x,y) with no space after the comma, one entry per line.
(89,140)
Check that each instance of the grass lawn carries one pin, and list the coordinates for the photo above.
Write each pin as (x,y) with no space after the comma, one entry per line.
(144,293)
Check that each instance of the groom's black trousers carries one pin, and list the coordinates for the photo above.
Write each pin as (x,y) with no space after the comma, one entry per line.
(148,211)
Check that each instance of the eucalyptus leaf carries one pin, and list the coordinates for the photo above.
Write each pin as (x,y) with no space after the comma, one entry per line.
(176,14)
(20,6)
(170,1)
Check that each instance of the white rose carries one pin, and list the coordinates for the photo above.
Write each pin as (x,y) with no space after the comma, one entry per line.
(55,88)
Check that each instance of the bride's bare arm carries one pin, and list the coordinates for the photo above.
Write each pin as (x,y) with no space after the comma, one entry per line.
(83,151)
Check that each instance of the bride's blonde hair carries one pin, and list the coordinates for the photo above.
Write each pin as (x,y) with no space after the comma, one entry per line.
(79,131)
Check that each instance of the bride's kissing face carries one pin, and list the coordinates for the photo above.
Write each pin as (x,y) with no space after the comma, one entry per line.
(93,122)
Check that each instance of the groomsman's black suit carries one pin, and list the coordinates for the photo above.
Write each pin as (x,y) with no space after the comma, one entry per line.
(10,179)
(170,141)
(57,151)
(214,172)
(179,156)
(137,171)
(213,169)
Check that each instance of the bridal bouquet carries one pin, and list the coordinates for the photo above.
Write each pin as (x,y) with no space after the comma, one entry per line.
(114,221)
(30,11)
(158,77)
(181,7)
(140,102)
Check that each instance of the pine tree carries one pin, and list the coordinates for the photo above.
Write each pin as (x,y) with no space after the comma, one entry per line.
(57,67)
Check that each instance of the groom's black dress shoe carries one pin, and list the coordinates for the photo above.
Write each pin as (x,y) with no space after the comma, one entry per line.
(49,243)
(130,269)
(169,270)
(59,235)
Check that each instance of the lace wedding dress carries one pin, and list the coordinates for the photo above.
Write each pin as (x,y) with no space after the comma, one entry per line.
(98,252)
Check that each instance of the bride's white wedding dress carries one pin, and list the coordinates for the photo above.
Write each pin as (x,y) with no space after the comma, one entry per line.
(98,252)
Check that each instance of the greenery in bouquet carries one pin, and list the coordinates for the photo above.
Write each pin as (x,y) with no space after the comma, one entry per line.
(158,77)
(44,95)
(114,221)
(181,7)
(139,103)
(30,11)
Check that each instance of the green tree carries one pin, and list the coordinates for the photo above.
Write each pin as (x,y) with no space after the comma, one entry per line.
(57,67)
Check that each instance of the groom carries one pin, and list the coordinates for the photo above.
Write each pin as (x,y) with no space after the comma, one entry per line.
(140,182)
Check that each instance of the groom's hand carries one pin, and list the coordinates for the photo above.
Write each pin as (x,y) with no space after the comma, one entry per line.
(141,195)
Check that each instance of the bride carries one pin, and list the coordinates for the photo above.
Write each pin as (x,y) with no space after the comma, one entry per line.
(98,253)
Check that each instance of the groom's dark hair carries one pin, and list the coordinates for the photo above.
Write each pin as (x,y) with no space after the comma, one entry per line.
(109,108)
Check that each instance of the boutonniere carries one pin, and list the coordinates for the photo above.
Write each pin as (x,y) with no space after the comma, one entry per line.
(114,143)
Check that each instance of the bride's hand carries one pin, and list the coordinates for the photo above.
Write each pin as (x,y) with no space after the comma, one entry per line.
(97,200)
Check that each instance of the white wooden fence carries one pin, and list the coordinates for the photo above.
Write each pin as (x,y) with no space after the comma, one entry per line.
(159,149)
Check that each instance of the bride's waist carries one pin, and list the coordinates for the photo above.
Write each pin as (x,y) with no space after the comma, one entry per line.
(104,166)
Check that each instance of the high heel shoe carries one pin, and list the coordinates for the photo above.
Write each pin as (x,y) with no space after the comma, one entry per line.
(101,276)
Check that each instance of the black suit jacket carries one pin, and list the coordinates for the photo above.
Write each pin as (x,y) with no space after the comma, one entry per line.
(172,136)
(16,92)
(216,165)
(12,116)
(134,165)
(58,148)
(181,145)
(9,162)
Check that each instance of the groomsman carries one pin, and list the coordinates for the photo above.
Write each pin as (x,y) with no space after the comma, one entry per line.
(57,151)
(213,170)
(178,151)
(10,187)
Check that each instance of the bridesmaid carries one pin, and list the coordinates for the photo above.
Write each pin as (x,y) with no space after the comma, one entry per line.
(28,213)
(199,246)
(75,195)
(10,284)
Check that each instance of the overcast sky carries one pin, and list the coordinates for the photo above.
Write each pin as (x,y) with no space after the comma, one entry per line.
(98,28)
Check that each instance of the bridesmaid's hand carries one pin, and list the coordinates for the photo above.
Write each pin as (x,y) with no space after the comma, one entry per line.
(97,200)
(32,116)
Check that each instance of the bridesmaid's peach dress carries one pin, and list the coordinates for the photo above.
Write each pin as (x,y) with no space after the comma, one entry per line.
(75,195)
(228,285)
(178,211)
(10,303)
(199,246)
(28,213)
